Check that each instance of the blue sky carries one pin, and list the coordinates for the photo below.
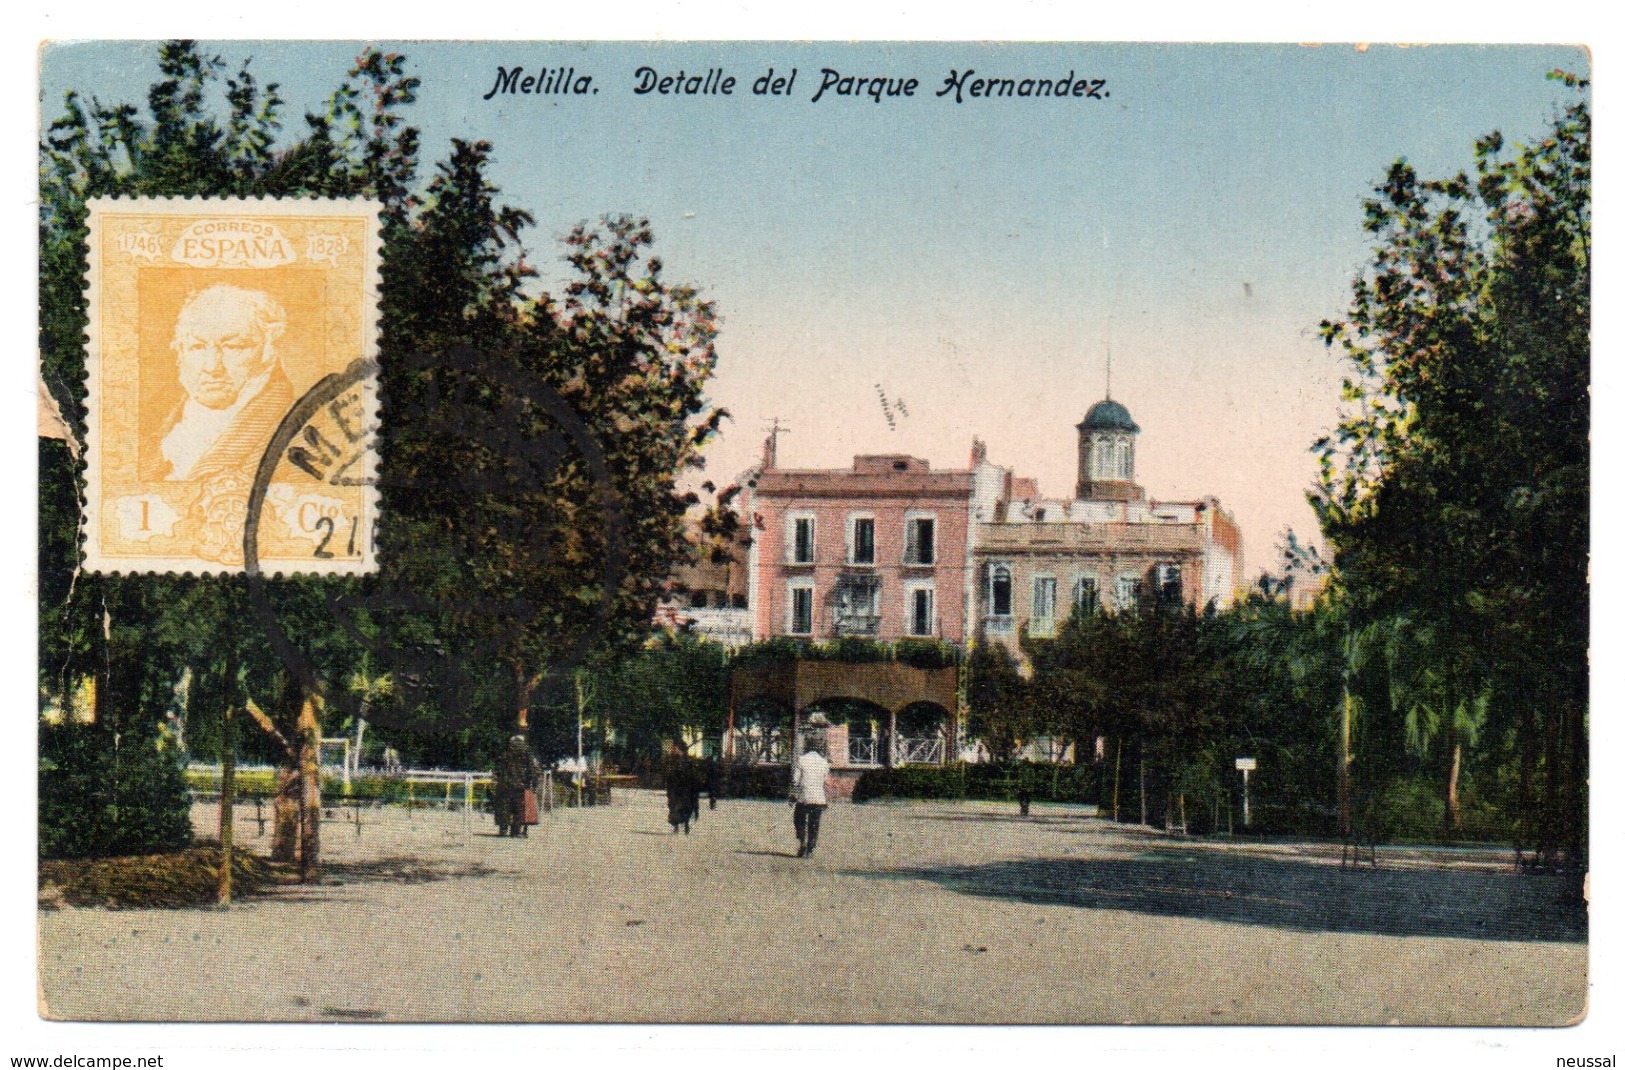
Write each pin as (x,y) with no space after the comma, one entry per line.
(976,259)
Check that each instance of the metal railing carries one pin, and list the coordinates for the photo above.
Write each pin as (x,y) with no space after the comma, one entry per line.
(863,751)
(759,750)
(857,624)
(927,751)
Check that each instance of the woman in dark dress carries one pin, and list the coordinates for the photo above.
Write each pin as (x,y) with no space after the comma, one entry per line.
(682,793)
(515,773)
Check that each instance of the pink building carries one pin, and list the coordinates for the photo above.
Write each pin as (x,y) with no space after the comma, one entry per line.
(877,550)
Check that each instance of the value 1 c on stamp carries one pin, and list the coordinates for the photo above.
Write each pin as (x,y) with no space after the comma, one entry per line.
(208,321)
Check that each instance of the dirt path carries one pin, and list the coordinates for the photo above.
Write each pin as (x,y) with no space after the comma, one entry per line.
(909,912)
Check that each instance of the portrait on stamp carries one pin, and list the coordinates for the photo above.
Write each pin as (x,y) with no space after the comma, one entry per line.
(208,320)
(234,388)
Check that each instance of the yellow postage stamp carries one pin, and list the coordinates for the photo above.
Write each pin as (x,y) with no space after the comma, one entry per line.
(210,320)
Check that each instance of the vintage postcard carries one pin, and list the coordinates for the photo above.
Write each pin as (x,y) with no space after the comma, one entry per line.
(208,320)
(655,532)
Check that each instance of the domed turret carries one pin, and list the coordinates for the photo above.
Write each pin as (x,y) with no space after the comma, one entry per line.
(1108,415)
(1106,453)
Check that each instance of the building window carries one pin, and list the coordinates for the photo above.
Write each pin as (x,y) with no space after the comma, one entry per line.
(1169,584)
(1103,450)
(920,541)
(921,612)
(1128,594)
(1043,622)
(801,609)
(1085,596)
(1113,457)
(857,604)
(862,544)
(1044,597)
(697,600)
(998,590)
(801,540)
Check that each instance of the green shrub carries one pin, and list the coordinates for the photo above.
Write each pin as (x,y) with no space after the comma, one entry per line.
(851,649)
(926,653)
(777,649)
(1048,782)
(741,781)
(98,799)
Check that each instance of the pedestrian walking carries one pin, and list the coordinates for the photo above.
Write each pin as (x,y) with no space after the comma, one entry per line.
(682,795)
(809,798)
(513,789)
(713,780)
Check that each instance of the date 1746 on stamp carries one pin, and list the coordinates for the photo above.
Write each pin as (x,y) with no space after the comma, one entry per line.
(209,320)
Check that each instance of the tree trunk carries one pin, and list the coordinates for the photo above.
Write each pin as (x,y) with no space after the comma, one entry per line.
(1117,779)
(1551,804)
(521,698)
(1144,818)
(228,782)
(360,734)
(1577,775)
(285,803)
(1344,786)
(1452,789)
(310,796)
(1452,757)
(285,812)
(228,789)
(1527,761)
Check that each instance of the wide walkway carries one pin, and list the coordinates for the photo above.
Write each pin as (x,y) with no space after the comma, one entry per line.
(944,912)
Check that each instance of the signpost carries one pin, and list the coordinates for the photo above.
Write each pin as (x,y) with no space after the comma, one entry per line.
(1246,765)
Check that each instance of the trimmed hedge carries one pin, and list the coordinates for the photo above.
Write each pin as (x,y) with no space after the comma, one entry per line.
(1048,782)
(740,781)
(853,650)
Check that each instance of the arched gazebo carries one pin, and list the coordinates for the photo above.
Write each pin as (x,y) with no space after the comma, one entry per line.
(800,686)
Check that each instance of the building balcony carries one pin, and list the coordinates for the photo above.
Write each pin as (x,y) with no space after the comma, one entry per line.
(857,624)
(1042,627)
(993,625)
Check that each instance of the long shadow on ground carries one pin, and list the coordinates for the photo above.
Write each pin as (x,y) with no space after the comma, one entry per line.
(1283,894)
(404,870)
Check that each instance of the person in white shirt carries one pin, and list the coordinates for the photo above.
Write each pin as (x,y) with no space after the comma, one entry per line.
(807,793)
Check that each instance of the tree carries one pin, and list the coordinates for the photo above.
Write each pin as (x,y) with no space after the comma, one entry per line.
(571,555)
(1454,488)
(1000,712)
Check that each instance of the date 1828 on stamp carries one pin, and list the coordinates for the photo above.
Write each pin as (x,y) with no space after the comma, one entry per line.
(209,320)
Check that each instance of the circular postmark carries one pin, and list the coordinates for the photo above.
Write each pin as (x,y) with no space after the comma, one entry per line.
(497,560)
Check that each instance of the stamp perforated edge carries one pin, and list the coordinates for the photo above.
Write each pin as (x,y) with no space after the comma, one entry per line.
(98,208)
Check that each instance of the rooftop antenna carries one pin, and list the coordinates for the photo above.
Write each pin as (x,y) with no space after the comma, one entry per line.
(770,450)
(1108,357)
(775,431)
